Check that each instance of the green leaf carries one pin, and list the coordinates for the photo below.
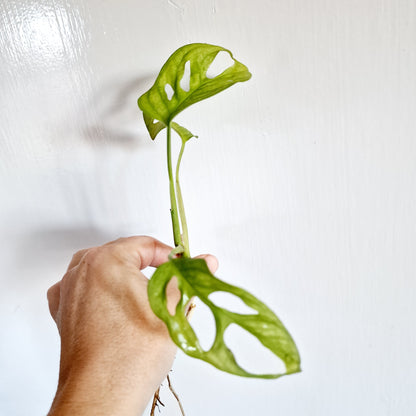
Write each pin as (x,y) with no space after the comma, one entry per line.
(153,126)
(184,133)
(195,279)
(159,110)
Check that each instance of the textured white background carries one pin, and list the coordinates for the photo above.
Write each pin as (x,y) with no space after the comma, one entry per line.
(302,182)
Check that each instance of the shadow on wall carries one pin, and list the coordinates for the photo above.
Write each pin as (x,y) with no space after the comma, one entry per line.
(118,117)
(110,120)
(59,239)
(56,244)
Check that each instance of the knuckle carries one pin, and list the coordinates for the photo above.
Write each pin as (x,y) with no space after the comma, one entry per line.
(100,261)
(77,255)
(119,240)
(118,253)
(91,261)
(91,257)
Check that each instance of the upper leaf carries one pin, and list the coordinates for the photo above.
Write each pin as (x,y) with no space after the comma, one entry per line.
(195,279)
(159,109)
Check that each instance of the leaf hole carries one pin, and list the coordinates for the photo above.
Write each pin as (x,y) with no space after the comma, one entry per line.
(186,79)
(233,303)
(250,353)
(169,91)
(203,323)
(221,62)
(173,295)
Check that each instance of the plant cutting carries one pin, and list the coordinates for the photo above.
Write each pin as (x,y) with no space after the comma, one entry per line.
(184,80)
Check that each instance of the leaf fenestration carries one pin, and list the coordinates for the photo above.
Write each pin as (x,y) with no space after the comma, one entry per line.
(159,110)
(195,279)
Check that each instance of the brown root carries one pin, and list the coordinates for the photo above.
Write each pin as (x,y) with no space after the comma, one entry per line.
(156,402)
(175,395)
(156,399)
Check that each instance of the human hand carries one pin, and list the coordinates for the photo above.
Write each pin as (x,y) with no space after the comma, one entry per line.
(114,351)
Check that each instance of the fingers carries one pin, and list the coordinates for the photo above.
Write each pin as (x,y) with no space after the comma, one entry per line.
(147,251)
(53,299)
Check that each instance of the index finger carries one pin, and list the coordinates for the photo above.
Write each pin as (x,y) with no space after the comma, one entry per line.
(147,251)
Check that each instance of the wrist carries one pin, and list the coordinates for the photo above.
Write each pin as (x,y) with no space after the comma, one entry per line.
(86,389)
(108,382)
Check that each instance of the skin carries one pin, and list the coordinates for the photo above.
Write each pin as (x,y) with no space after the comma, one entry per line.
(114,351)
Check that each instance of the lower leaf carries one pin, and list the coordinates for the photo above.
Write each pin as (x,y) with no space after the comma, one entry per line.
(195,279)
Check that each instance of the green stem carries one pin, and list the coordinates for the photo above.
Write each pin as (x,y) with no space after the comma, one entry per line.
(185,238)
(173,206)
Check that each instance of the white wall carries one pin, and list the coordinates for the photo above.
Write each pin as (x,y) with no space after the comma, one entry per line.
(302,182)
